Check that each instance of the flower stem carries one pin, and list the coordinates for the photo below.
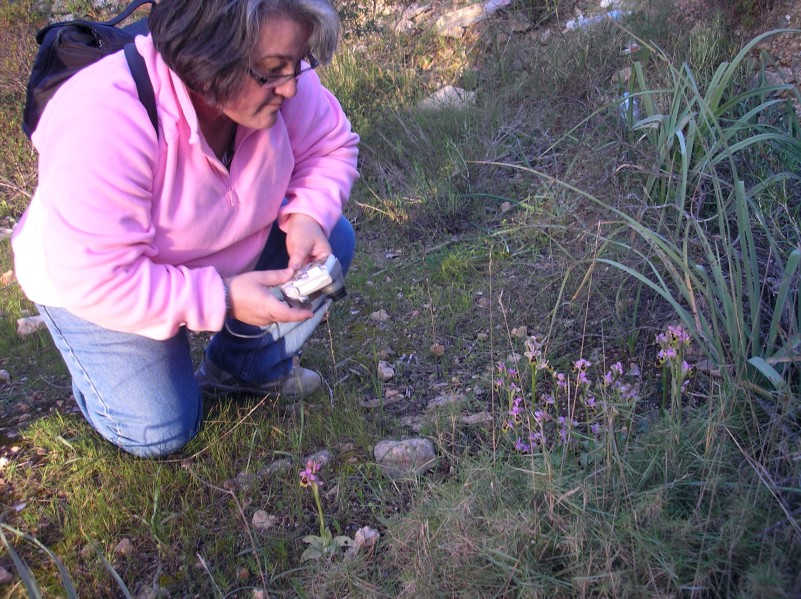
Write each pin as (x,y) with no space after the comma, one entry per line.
(316,492)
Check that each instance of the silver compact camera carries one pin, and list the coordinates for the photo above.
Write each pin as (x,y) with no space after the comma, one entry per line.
(322,277)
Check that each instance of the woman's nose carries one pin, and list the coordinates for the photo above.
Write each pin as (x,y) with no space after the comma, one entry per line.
(288,88)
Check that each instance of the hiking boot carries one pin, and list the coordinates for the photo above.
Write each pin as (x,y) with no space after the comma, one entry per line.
(297,385)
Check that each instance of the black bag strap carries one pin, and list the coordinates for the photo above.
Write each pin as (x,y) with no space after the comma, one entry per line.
(143,84)
(127,12)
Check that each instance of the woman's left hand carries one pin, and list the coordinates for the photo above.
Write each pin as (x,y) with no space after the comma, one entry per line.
(305,241)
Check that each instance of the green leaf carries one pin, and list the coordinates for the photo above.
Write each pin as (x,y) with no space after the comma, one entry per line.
(768,371)
(311,553)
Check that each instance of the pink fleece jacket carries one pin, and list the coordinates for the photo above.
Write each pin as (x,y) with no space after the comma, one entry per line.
(134,233)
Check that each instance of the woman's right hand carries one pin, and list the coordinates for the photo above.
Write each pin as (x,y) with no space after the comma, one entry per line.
(253,302)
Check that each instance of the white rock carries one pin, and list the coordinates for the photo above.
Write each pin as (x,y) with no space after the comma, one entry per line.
(124,547)
(448,97)
(405,459)
(453,23)
(380,316)
(364,541)
(322,458)
(413,11)
(480,418)
(29,325)
(584,22)
(493,5)
(443,400)
(385,370)
(262,520)
(5,376)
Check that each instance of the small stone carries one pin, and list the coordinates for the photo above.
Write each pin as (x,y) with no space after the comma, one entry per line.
(322,458)
(242,574)
(260,594)
(448,97)
(480,418)
(124,548)
(364,541)
(5,576)
(380,316)
(263,521)
(5,376)
(443,400)
(385,371)
(29,325)
(437,349)
(7,278)
(229,484)
(405,459)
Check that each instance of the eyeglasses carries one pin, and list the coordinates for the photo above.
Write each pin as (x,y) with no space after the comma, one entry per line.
(276,80)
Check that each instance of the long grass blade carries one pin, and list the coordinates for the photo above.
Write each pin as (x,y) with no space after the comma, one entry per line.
(22,568)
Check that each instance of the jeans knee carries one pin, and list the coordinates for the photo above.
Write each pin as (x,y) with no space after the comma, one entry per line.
(343,242)
(155,434)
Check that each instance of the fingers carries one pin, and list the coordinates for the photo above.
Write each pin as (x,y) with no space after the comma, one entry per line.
(272,278)
(283,312)
(305,241)
(253,302)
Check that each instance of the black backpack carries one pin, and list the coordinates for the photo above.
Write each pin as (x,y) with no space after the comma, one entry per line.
(66,48)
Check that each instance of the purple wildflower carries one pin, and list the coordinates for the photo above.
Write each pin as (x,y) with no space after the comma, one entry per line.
(520,446)
(561,381)
(308,476)
(581,364)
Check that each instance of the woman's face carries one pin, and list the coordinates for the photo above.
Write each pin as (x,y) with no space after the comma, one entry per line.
(282,43)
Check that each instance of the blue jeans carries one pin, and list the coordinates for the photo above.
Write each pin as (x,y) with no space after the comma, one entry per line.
(141,394)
